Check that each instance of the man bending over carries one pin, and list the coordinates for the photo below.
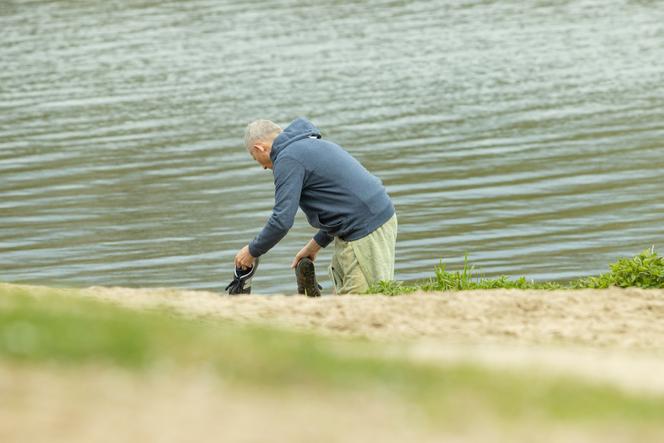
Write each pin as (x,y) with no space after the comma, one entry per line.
(338,195)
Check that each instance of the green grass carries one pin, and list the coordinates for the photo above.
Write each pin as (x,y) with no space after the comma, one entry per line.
(64,330)
(645,270)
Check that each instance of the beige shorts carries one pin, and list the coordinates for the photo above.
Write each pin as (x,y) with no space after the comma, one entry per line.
(358,264)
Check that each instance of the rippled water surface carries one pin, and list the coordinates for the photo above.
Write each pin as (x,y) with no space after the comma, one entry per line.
(528,134)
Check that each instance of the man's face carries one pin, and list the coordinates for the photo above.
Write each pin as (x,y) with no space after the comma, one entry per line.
(261,153)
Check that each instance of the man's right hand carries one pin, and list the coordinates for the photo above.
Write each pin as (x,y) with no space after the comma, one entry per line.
(244,259)
(310,250)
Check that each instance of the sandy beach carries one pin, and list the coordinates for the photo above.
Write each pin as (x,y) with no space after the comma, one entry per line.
(606,337)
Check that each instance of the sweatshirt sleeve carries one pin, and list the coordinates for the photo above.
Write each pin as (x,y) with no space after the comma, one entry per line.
(323,238)
(288,180)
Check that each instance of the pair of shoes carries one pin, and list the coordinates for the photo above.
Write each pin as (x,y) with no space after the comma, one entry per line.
(305,274)
(241,283)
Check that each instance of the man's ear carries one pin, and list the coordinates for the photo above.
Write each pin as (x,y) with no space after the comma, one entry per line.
(259,147)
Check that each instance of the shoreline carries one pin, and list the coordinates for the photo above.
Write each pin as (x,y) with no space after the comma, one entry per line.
(623,318)
(616,333)
(494,349)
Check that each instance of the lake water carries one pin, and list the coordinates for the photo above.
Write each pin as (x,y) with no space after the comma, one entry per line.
(529,135)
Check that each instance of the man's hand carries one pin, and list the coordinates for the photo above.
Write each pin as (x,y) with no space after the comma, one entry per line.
(310,250)
(243,259)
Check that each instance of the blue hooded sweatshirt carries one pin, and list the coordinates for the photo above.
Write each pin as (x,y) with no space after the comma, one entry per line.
(336,193)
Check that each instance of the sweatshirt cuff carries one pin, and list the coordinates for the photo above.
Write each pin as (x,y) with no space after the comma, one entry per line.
(252,250)
(322,238)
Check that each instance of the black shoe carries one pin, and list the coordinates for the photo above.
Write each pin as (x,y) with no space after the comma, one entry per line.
(241,283)
(305,274)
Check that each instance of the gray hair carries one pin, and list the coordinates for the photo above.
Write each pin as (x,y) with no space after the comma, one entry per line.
(260,130)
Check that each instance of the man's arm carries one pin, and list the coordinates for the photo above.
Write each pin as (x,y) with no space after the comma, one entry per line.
(288,180)
(323,238)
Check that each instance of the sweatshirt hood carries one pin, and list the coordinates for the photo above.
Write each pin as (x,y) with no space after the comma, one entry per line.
(297,130)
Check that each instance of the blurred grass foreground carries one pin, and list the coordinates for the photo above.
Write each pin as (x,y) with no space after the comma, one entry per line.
(59,331)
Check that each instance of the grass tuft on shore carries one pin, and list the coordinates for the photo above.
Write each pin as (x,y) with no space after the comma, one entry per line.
(645,270)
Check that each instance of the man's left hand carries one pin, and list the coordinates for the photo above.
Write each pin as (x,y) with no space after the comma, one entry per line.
(243,259)
(310,250)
